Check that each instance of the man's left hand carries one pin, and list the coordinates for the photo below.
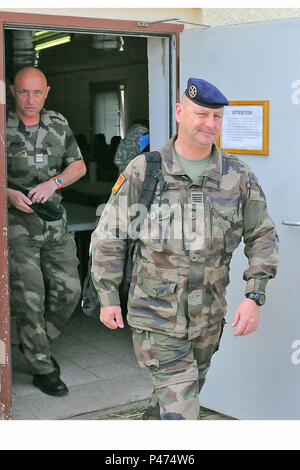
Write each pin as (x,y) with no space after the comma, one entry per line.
(246,317)
(42,191)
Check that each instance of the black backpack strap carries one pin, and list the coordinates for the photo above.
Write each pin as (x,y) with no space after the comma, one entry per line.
(153,175)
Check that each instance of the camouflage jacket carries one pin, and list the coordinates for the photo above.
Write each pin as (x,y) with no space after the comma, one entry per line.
(35,158)
(129,147)
(186,242)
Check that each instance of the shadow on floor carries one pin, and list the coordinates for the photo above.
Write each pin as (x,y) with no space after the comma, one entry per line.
(97,364)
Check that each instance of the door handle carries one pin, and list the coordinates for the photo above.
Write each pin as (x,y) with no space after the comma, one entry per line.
(294,224)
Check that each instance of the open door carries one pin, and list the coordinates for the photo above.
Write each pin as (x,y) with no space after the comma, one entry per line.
(257,376)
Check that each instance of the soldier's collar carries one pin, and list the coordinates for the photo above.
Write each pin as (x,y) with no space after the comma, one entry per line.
(214,169)
(173,167)
(169,160)
(44,119)
(13,120)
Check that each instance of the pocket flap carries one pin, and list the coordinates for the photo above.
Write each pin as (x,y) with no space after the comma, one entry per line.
(229,211)
(156,287)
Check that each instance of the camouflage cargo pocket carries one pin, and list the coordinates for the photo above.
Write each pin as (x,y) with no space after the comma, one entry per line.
(17,164)
(144,348)
(226,225)
(215,282)
(206,345)
(154,304)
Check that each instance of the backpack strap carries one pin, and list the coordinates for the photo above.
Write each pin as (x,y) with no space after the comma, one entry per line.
(153,175)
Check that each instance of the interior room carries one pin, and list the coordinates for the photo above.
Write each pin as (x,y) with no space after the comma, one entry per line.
(99,83)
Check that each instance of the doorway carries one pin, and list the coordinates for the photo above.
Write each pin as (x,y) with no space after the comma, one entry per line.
(100,84)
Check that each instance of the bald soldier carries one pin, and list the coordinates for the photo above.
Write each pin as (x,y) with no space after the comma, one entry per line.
(176,307)
(42,157)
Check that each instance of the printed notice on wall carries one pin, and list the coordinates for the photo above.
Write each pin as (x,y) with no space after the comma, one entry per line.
(244,128)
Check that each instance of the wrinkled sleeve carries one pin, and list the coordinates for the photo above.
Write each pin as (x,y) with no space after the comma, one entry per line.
(260,238)
(72,151)
(109,240)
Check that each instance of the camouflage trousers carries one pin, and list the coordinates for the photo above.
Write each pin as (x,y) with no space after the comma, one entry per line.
(44,284)
(178,367)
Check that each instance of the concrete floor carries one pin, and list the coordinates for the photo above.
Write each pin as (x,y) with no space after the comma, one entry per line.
(97,364)
(100,369)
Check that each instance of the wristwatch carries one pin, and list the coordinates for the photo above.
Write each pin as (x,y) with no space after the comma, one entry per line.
(258,298)
(58,182)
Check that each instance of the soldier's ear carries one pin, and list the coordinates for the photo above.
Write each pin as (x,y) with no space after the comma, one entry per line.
(47,91)
(178,112)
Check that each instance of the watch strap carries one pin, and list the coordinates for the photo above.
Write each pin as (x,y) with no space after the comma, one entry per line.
(58,182)
(258,297)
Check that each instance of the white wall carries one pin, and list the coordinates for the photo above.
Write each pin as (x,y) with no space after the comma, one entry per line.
(222,16)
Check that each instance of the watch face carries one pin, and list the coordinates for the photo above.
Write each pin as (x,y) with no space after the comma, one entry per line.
(58,181)
(259,298)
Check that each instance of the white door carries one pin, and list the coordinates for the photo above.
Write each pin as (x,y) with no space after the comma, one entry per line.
(258,376)
(161,88)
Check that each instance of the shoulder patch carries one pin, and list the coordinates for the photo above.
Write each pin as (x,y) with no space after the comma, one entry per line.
(118,183)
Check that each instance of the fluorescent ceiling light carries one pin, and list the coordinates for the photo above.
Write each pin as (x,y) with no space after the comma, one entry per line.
(52,42)
(40,33)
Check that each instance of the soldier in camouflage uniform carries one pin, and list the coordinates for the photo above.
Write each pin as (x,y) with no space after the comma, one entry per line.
(177,304)
(42,156)
(129,147)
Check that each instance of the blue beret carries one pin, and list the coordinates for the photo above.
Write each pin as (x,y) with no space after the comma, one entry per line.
(205,94)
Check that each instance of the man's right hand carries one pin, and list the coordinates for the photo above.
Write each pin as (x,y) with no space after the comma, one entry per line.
(19,201)
(112,317)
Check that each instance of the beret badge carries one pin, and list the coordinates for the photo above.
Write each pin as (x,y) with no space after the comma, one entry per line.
(192,91)
(205,94)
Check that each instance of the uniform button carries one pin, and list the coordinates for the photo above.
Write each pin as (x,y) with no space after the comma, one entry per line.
(194,216)
(153,292)
(194,257)
(152,215)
